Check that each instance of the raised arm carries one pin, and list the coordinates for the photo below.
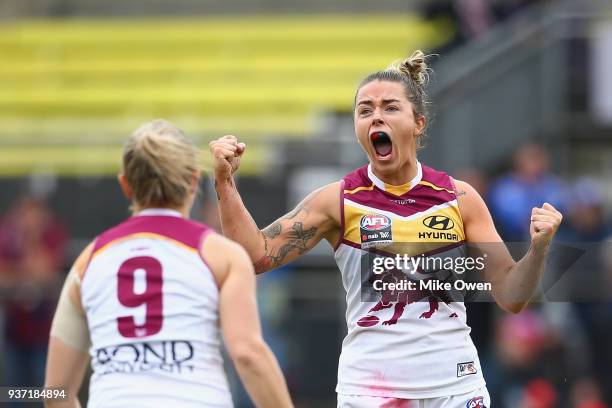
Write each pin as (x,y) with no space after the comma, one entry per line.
(67,357)
(513,283)
(315,218)
(255,363)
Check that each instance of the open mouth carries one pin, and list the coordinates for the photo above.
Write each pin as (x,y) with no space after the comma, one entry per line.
(382,144)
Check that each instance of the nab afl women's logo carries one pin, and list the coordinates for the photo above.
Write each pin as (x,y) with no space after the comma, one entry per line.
(375,230)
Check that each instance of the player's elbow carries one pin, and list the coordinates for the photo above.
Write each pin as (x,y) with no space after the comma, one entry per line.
(511,303)
(246,352)
(512,307)
(262,263)
(259,269)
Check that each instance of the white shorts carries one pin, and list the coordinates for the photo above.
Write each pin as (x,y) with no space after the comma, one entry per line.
(474,399)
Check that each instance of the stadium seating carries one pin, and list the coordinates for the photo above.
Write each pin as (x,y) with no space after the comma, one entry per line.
(71,90)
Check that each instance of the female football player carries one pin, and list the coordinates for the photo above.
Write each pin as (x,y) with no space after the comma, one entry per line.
(421,353)
(146,298)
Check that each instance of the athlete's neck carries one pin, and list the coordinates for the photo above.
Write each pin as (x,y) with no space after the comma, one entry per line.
(183,210)
(403,175)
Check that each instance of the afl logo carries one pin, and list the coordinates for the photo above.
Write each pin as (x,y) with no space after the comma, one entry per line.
(374,222)
(438,222)
(375,230)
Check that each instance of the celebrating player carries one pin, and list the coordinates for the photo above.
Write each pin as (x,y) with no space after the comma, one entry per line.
(423,351)
(146,297)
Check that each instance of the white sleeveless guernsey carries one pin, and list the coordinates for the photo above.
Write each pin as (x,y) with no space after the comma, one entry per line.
(152,309)
(414,344)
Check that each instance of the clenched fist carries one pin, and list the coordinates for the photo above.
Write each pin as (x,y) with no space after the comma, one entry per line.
(226,153)
(544,223)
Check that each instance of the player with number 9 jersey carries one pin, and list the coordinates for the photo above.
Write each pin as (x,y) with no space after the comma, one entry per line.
(149,298)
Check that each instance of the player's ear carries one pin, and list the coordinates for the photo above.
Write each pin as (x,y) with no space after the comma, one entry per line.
(421,122)
(125,187)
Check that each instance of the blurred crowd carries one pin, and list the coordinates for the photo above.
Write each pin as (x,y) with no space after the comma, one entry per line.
(32,264)
(554,354)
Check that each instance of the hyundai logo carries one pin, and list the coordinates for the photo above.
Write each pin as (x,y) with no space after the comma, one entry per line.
(438,222)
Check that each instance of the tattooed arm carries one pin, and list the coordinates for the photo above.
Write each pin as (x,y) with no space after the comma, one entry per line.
(316,217)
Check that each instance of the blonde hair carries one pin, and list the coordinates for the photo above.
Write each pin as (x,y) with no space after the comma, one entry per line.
(159,163)
(414,67)
(413,74)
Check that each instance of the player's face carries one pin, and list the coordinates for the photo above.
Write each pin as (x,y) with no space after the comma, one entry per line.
(386,127)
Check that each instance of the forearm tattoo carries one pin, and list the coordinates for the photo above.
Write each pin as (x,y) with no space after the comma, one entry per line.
(295,238)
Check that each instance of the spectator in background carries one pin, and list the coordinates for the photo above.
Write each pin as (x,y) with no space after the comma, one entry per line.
(538,363)
(588,228)
(32,244)
(529,356)
(587,394)
(586,221)
(529,185)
